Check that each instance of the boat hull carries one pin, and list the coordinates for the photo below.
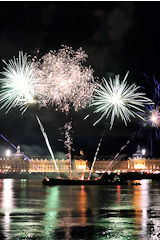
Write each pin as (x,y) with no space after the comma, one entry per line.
(52,182)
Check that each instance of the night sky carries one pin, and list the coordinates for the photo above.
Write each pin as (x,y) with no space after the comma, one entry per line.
(117,36)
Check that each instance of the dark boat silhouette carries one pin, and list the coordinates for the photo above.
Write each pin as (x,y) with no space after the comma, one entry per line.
(137,183)
(61,181)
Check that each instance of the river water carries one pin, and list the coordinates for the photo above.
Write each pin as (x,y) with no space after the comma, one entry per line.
(29,210)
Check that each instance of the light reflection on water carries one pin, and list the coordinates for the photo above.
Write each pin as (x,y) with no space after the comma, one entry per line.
(29,210)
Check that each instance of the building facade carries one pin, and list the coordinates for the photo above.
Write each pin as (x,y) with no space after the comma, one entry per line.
(17,163)
(138,163)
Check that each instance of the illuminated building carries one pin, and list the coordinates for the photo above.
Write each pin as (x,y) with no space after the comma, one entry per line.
(80,164)
(144,164)
(138,163)
(44,165)
(14,163)
(108,165)
(17,163)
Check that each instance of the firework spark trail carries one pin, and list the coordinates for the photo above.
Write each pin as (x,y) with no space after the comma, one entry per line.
(86,117)
(63,80)
(95,156)
(122,148)
(21,152)
(117,99)
(68,142)
(47,143)
(156,95)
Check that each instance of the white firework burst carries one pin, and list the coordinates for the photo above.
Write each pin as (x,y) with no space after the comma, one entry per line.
(151,117)
(155,118)
(18,83)
(117,99)
(63,80)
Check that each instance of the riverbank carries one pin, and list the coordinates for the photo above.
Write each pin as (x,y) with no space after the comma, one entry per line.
(77,175)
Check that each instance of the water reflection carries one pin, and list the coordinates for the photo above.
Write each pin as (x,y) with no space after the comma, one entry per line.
(83,206)
(7,206)
(51,209)
(32,211)
(118,200)
(141,201)
(69,205)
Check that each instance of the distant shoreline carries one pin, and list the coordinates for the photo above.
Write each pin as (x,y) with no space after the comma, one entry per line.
(40,176)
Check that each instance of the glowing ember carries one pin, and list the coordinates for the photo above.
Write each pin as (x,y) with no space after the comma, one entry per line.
(68,142)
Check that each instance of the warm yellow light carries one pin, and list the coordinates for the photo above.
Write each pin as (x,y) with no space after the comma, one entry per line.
(139,166)
(8,153)
(82,167)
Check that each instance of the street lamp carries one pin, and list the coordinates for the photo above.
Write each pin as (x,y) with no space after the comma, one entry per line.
(8,153)
(143,151)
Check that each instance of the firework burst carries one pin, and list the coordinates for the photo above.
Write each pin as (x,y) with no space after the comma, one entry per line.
(64,81)
(117,99)
(154,117)
(18,83)
(152,113)
(151,117)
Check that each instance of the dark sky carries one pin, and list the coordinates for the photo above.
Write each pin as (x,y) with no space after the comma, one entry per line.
(117,36)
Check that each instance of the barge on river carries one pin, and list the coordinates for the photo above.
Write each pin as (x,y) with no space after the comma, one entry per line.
(61,181)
